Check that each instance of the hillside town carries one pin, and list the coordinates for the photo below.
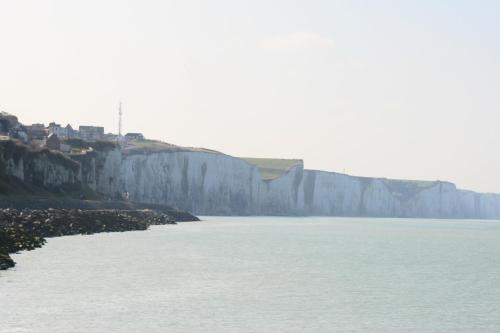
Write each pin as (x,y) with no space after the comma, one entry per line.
(55,135)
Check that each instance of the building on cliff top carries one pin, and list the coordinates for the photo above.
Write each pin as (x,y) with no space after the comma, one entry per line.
(53,142)
(134,136)
(66,132)
(37,132)
(91,133)
(71,132)
(57,130)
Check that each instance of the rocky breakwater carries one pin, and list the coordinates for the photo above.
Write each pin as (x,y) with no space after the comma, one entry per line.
(27,229)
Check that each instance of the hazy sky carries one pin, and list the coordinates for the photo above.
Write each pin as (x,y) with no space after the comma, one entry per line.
(402,89)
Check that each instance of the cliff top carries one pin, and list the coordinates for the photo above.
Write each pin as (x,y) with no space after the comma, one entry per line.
(153,146)
(272,168)
(84,145)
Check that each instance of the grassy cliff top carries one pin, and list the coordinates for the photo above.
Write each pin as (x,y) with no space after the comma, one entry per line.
(417,183)
(272,168)
(408,188)
(154,146)
(85,145)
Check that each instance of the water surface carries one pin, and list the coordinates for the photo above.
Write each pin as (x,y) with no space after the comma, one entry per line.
(262,275)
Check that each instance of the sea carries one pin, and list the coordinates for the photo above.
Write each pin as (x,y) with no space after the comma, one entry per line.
(262,274)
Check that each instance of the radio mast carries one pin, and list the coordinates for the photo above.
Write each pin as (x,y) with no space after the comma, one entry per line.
(120,114)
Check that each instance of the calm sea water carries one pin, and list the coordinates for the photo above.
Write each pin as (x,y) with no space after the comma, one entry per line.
(262,275)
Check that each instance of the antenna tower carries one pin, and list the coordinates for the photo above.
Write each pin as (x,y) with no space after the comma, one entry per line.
(120,114)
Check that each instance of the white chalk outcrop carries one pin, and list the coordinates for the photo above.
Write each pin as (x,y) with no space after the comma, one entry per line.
(213,183)
(210,183)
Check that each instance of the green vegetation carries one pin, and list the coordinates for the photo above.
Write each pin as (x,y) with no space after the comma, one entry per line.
(104,145)
(77,143)
(97,145)
(272,168)
(407,188)
(153,146)
(417,183)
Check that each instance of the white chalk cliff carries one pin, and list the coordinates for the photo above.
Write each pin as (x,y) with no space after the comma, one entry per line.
(211,183)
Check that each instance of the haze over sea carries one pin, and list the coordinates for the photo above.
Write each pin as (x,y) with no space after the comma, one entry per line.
(262,274)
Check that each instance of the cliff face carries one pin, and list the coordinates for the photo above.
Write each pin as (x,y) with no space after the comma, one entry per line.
(39,168)
(108,173)
(201,182)
(209,183)
(25,170)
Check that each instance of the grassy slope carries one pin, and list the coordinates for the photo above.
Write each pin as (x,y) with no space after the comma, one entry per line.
(153,146)
(271,168)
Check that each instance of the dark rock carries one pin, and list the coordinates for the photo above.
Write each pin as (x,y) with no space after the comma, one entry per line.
(27,229)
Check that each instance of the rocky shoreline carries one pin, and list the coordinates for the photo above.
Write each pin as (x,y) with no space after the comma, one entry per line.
(27,229)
